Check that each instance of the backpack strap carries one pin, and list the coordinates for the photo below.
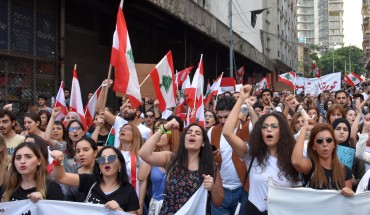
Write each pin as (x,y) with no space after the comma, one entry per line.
(89,193)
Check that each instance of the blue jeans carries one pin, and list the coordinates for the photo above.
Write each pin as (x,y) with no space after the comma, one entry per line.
(231,200)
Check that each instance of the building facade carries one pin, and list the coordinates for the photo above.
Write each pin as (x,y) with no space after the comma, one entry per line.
(366,33)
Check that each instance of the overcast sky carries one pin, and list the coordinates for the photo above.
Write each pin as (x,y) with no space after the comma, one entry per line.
(352,19)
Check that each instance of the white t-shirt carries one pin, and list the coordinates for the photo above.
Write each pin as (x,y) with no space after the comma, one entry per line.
(119,122)
(126,155)
(258,179)
(230,178)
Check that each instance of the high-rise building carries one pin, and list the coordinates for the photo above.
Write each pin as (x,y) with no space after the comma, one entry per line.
(320,22)
(366,32)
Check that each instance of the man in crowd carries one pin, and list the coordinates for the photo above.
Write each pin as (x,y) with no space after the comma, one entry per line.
(41,100)
(341,98)
(7,129)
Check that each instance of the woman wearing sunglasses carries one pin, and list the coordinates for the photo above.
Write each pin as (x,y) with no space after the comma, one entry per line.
(187,168)
(109,183)
(267,153)
(322,168)
(211,119)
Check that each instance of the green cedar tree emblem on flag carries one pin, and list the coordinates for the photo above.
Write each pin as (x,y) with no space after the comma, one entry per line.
(287,76)
(129,53)
(354,78)
(166,82)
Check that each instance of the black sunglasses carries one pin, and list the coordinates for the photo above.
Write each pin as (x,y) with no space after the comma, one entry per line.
(109,159)
(327,140)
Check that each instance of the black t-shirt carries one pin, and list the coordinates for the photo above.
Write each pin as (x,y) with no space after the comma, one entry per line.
(102,139)
(125,195)
(329,176)
(53,192)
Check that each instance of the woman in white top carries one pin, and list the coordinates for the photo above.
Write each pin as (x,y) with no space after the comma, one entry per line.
(269,149)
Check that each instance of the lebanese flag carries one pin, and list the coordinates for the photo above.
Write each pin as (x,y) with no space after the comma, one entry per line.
(352,79)
(198,115)
(196,89)
(239,75)
(208,90)
(214,89)
(316,70)
(185,85)
(75,103)
(265,83)
(90,108)
(227,85)
(122,59)
(60,101)
(250,80)
(182,75)
(288,78)
(164,82)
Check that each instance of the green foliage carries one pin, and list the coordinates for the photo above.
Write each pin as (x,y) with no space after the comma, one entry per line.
(341,60)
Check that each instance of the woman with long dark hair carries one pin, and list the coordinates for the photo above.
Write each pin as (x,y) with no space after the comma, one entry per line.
(322,168)
(267,153)
(107,185)
(28,178)
(187,168)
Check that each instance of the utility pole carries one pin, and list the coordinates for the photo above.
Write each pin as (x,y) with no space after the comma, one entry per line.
(230,39)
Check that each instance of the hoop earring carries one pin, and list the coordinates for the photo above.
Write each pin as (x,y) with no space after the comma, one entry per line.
(119,170)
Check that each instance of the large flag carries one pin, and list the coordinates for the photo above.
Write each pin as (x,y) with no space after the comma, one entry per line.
(214,89)
(90,108)
(263,84)
(288,78)
(122,59)
(60,101)
(316,70)
(164,83)
(239,75)
(352,79)
(75,103)
(196,204)
(227,85)
(196,89)
(182,75)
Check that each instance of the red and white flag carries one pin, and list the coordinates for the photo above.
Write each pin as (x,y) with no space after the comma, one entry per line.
(316,70)
(196,90)
(90,108)
(181,76)
(250,79)
(197,115)
(122,59)
(60,101)
(214,89)
(352,79)
(239,75)
(164,82)
(263,84)
(185,85)
(75,102)
(288,78)
(227,85)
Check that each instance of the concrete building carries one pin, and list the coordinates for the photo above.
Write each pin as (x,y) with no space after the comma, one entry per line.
(366,33)
(320,22)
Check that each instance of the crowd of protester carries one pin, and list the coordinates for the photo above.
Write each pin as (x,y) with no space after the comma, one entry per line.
(153,164)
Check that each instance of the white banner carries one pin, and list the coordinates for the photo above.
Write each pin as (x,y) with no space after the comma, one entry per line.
(47,207)
(315,86)
(196,204)
(307,201)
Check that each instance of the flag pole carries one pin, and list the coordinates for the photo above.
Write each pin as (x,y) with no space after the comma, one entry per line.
(108,85)
(75,67)
(144,79)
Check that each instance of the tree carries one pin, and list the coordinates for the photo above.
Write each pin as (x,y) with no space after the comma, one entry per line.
(341,60)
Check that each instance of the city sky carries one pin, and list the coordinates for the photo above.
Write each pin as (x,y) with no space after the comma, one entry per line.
(352,19)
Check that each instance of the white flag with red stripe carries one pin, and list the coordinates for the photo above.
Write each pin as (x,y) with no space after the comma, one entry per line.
(182,75)
(214,89)
(288,78)
(122,59)
(263,84)
(352,79)
(185,85)
(197,114)
(240,75)
(60,101)
(75,102)
(196,89)
(90,108)
(164,82)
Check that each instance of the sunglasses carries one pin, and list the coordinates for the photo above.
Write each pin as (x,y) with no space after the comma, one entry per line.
(72,129)
(327,140)
(273,126)
(149,116)
(106,159)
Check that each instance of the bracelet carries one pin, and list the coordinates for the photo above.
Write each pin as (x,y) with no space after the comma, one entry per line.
(57,163)
(164,129)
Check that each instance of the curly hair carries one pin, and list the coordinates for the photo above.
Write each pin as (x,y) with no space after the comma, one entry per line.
(285,146)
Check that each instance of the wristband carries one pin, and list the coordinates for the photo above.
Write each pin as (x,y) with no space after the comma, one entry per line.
(164,129)
(57,163)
